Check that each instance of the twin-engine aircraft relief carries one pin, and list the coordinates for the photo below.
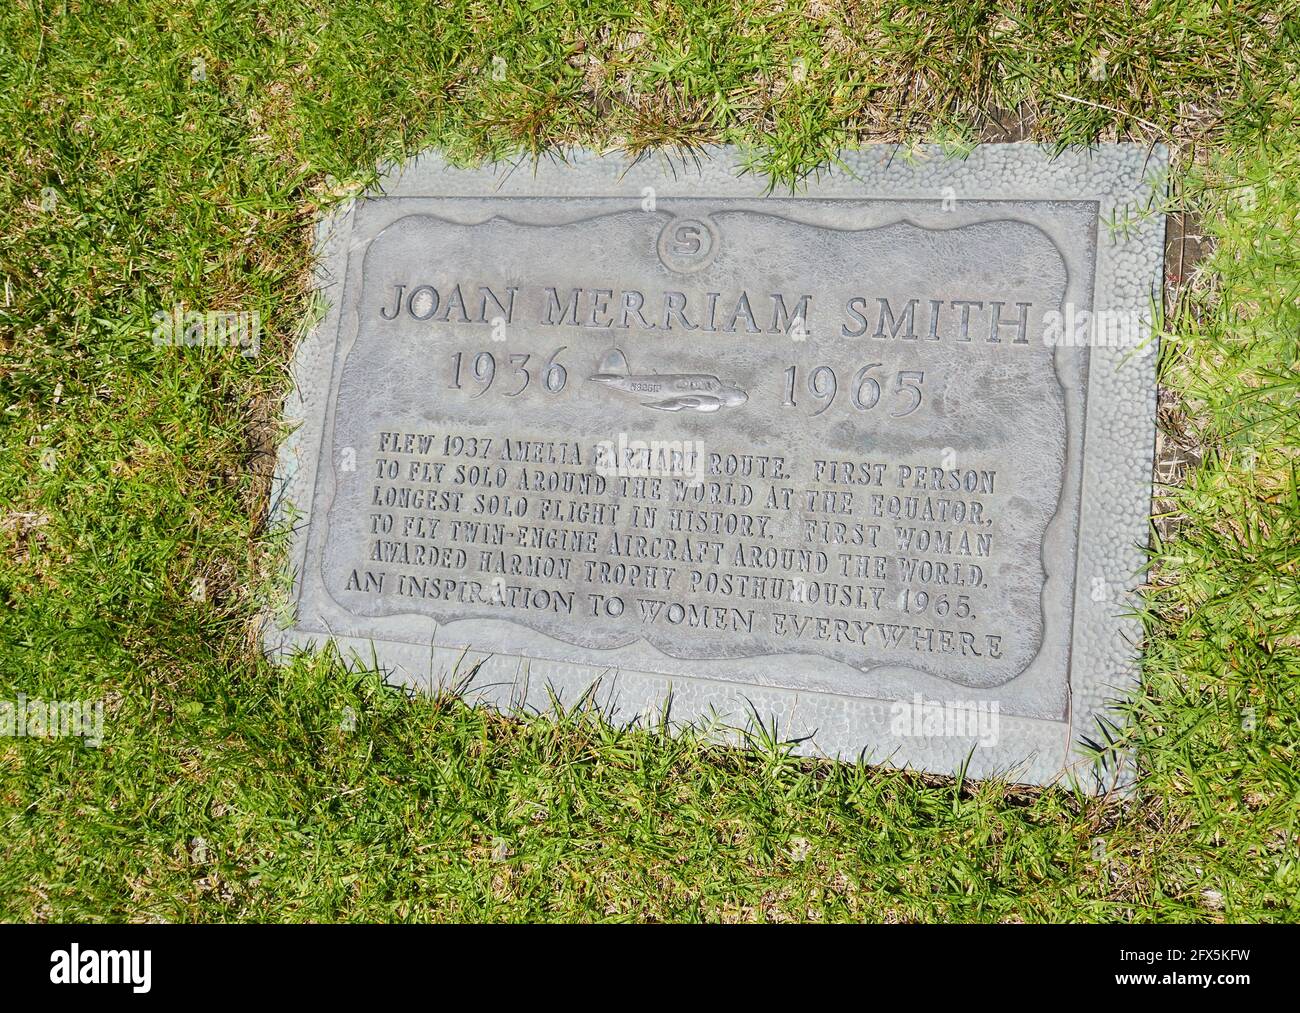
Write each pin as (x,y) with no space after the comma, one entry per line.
(668,392)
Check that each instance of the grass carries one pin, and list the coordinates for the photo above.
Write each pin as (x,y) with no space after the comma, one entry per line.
(163,153)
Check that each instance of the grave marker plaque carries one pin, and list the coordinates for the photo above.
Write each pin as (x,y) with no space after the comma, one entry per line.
(871,459)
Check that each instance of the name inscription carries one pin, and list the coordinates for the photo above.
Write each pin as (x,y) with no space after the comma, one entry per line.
(608,309)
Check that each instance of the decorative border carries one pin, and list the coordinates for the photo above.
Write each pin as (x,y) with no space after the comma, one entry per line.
(1124,180)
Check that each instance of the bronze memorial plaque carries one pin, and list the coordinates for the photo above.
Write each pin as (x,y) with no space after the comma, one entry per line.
(870,460)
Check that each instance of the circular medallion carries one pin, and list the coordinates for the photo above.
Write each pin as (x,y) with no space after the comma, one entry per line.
(687,245)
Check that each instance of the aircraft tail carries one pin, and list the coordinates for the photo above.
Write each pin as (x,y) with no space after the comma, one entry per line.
(612,366)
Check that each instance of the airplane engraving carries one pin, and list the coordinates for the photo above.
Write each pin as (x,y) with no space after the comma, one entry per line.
(668,392)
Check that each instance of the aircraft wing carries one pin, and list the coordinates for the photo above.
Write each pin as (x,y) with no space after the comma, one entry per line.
(695,402)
